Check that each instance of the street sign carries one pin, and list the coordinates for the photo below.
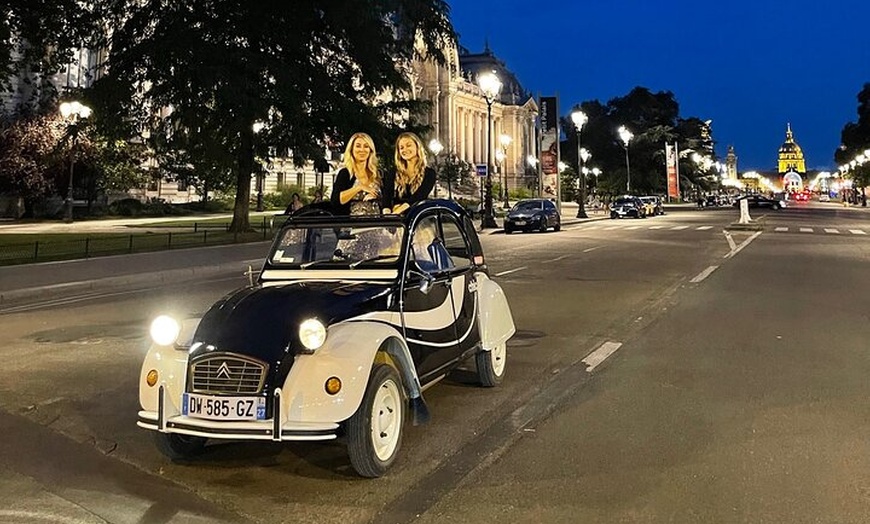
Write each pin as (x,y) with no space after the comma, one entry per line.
(481,169)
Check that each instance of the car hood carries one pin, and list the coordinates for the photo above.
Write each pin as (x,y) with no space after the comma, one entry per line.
(263,322)
(523,214)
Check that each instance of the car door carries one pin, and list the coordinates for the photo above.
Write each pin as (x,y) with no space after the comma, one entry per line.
(463,284)
(427,309)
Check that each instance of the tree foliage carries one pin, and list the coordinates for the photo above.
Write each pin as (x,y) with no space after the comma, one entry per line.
(855,139)
(311,71)
(29,161)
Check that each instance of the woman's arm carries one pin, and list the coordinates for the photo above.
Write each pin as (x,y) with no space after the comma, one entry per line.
(426,186)
(344,190)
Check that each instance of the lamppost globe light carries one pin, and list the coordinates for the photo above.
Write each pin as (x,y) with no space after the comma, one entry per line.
(532,160)
(72,112)
(435,147)
(490,86)
(505,140)
(499,156)
(585,154)
(596,171)
(626,137)
(579,118)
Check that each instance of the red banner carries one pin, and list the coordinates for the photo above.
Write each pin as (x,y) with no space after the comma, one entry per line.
(673,170)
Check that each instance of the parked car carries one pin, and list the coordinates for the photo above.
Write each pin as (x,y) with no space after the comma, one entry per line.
(760,201)
(347,323)
(537,214)
(824,197)
(627,206)
(653,205)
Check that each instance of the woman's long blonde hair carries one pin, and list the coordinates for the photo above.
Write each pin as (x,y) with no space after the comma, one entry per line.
(371,168)
(404,177)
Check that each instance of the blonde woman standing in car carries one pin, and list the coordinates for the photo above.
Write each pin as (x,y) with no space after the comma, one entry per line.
(413,180)
(357,188)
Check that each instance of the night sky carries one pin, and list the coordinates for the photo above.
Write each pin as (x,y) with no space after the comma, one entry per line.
(751,66)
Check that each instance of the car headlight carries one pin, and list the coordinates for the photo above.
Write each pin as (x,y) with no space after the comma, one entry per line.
(165,330)
(312,333)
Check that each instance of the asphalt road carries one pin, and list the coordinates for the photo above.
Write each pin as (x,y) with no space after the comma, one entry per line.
(731,391)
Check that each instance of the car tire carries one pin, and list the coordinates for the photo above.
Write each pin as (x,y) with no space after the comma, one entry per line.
(544,225)
(374,432)
(613,216)
(508,230)
(490,365)
(179,447)
(557,227)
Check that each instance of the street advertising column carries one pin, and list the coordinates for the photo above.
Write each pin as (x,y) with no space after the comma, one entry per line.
(673,171)
(550,149)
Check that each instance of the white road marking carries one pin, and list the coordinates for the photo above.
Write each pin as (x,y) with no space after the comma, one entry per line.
(679,228)
(806,230)
(703,228)
(556,259)
(704,274)
(588,249)
(509,271)
(656,227)
(732,245)
(632,227)
(742,245)
(832,231)
(611,228)
(600,355)
(781,229)
(857,232)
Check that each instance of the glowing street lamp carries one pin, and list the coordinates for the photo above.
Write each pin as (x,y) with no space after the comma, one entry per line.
(579,118)
(505,141)
(72,112)
(435,147)
(625,135)
(490,86)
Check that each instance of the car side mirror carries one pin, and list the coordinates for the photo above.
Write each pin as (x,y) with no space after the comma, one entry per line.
(426,280)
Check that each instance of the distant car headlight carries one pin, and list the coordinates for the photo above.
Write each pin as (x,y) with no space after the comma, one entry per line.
(312,333)
(165,330)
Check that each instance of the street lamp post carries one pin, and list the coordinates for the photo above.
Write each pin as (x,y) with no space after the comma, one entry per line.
(505,141)
(72,112)
(435,147)
(579,118)
(626,137)
(257,127)
(532,162)
(490,85)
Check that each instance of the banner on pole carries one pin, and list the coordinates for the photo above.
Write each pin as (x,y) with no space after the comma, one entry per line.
(671,156)
(549,147)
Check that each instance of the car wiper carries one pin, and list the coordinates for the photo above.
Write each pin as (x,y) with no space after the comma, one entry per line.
(309,264)
(372,259)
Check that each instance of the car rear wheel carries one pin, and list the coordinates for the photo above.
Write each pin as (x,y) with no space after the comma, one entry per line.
(544,225)
(490,365)
(374,432)
(179,447)
(508,230)
(557,227)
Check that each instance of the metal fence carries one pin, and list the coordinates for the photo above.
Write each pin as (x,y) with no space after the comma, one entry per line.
(198,234)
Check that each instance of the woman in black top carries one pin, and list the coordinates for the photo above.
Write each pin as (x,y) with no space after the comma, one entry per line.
(412,180)
(357,188)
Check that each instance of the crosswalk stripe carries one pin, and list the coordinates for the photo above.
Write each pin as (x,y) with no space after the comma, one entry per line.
(703,228)
(806,230)
(832,231)
(656,227)
(679,228)
(857,232)
(781,229)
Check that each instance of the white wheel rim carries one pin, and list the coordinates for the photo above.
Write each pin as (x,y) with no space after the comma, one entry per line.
(386,420)
(498,355)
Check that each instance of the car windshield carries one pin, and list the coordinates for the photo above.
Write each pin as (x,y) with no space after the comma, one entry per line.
(527,206)
(625,201)
(327,247)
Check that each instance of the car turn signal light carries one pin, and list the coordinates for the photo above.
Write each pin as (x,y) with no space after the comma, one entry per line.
(333,385)
(151,378)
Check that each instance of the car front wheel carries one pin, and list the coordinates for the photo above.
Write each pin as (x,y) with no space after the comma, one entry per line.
(374,432)
(179,447)
(490,365)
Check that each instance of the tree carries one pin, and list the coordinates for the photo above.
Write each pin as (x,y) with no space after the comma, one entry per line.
(855,140)
(29,161)
(311,71)
(454,172)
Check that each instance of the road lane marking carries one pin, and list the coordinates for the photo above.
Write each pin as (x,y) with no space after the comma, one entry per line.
(588,249)
(857,232)
(732,245)
(632,227)
(806,230)
(781,229)
(509,271)
(703,228)
(600,355)
(742,245)
(679,228)
(832,231)
(611,228)
(556,259)
(704,274)
(656,227)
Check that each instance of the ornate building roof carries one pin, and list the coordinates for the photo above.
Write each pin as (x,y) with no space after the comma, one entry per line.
(472,64)
(791,156)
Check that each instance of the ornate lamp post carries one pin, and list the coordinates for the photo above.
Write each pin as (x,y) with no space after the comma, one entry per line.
(435,147)
(490,85)
(626,137)
(72,112)
(505,141)
(583,155)
(579,118)
(257,127)
(532,161)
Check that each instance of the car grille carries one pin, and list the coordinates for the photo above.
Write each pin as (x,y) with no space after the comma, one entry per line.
(227,373)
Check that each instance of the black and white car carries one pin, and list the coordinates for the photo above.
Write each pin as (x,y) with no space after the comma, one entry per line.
(349,320)
(627,206)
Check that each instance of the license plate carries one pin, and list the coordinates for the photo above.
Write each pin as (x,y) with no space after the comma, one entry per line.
(223,408)
(520,222)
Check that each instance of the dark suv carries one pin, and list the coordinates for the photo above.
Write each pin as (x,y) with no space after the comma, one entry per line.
(627,206)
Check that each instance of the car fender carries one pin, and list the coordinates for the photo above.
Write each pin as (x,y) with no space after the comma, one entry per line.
(170,362)
(496,320)
(350,350)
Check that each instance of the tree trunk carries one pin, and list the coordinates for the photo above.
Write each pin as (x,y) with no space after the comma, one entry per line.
(245,165)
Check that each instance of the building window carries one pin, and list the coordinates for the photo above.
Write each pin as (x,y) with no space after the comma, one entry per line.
(281,181)
(182,184)
(300,179)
